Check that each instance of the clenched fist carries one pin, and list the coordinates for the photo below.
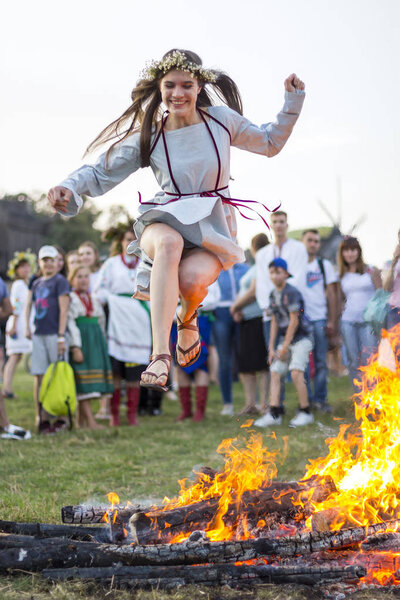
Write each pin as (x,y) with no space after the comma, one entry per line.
(293,83)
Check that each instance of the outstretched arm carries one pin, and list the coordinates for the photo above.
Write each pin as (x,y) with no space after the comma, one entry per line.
(268,139)
(97,179)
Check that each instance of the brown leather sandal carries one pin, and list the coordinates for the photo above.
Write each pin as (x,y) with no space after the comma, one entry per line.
(197,343)
(165,358)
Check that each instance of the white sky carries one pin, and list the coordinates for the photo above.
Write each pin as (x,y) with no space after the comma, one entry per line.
(67,70)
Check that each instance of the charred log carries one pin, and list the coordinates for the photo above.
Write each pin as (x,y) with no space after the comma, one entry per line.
(95,514)
(160,525)
(41,530)
(37,554)
(218,574)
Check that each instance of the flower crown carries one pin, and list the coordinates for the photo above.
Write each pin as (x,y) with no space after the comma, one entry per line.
(177,60)
(17,259)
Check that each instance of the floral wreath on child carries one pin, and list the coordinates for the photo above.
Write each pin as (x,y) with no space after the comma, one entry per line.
(18,258)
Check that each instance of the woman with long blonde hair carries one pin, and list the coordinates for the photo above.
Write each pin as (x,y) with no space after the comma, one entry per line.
(186,234)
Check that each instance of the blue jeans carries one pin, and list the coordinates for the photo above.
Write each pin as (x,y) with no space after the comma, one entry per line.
(225,336)
(360,343)
(321,370)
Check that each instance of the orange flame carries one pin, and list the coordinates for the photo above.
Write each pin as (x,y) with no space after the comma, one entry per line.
(364,461)
(248,466)
(113,499)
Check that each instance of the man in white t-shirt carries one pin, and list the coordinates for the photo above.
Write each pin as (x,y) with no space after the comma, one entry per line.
(318,290)
(290,250)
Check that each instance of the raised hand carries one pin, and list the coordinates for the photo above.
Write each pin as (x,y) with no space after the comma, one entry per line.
(293,83)
(59,197)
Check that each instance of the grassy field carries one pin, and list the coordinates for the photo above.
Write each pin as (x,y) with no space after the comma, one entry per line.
(140,464)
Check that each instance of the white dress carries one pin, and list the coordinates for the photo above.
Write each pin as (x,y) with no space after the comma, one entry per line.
(195,197)
(20,344)
(129,330)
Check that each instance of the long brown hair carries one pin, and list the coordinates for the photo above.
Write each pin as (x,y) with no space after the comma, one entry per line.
(350,242)
(144,112)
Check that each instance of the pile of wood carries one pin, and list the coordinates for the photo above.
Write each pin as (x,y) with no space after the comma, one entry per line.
(131,546)
(67,552)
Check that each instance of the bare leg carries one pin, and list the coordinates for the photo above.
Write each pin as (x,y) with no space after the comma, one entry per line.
(201,378)
(85,410)
(9,371)
(37,382)
(104,407)
(183,378)
(249,382)
(198,269)
(301,388)
(213,364)
(263,388)
(164,246)
(3,415)
(275,389)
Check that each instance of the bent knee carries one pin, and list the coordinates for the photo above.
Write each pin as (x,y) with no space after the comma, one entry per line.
(169,245)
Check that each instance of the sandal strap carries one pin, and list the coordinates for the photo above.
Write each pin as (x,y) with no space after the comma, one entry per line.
(165,358)
(185,324)
(192,347)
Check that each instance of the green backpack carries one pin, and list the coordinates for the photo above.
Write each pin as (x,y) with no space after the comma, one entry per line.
(57,392)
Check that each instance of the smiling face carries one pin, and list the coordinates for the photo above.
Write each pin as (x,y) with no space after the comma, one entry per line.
(48,266)
(87,256)
(179,91)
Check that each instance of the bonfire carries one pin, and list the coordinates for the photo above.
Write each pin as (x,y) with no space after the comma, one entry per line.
(240,526)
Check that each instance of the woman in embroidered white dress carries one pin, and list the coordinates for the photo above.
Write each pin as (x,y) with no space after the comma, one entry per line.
(128,330)
(186,234)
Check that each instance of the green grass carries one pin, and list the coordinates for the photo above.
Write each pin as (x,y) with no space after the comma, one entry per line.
(141,464)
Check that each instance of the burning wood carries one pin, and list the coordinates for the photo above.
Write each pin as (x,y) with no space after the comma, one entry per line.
(236,526)
(162,525)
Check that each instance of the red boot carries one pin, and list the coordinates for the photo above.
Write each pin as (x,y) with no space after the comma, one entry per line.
(115,400)
(132,404)
(201,402)
(186,403)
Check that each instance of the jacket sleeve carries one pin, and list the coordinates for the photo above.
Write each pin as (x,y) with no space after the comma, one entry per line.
(99,178)
(267,139)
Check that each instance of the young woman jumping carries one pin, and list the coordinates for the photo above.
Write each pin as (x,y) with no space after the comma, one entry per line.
(186,234)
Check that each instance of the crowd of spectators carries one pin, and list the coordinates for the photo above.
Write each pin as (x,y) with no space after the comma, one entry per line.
(263,322)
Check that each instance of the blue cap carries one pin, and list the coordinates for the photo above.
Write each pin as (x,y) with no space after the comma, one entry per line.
(280,262)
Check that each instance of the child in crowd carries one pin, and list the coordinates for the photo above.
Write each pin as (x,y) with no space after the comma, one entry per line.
(50,295)
(7,430)
(89,356)
(20,268)
(71,260)
(88,254)
(290,326)
(197,372)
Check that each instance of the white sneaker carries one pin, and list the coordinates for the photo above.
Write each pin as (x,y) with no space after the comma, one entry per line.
(268,420)
(227,411)
(302,418)
(13,432)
